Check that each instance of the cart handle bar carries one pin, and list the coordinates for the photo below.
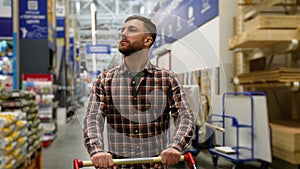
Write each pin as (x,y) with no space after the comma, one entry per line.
(186,157)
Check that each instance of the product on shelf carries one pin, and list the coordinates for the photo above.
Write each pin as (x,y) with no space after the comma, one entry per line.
(15,130)
(20,129)
(7,69)
(41,85)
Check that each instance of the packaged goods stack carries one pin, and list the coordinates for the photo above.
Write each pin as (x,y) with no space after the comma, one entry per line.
(13,146)
(42,86)
(20,144)
(34,127)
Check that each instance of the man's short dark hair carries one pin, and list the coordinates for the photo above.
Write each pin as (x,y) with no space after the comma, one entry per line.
(149,25)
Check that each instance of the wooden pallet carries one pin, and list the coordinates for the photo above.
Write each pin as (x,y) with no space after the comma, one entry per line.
(36,163)
(32,156)
(286,140)
(276,75)
(273,22)
(262,38)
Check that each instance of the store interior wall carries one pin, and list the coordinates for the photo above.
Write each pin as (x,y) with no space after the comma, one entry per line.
(200,47)
(207,46)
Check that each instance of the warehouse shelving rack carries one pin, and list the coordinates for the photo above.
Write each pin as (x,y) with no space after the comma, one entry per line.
(265,46)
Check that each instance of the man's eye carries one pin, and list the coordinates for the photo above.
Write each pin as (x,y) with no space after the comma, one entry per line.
(132,30)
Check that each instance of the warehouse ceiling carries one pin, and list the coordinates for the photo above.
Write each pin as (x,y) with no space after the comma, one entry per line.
(109,20)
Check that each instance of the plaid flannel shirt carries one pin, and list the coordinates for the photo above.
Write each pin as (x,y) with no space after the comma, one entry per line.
(137,113)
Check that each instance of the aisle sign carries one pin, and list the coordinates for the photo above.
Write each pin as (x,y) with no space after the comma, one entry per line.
(71,44)
(77,58)
(98,49)
(5,8)
(178,18)
(33,19)
(37,77)
(60,19)
(6,18)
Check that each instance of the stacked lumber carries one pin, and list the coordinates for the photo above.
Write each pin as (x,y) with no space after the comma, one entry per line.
(275,75)
(273,22)
(266,30)
(286,140)
(279,78)
(262,38)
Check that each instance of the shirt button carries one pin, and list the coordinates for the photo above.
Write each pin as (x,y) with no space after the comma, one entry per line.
(133,82)
(137,147)
(134,98)
(136,131)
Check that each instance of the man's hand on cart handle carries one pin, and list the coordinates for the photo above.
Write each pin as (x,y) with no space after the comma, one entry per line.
(186,157)
(103,160)
(170,156)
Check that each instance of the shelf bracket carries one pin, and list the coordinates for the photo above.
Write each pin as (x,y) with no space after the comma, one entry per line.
(296,86)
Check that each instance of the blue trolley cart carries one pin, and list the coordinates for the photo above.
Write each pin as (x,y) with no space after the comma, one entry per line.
(240,141)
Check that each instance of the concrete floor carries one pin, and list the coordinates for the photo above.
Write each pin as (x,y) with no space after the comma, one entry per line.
(69,145)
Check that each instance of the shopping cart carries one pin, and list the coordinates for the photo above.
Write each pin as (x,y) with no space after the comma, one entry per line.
(188,157)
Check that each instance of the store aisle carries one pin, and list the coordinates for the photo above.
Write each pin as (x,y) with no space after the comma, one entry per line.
(67,145)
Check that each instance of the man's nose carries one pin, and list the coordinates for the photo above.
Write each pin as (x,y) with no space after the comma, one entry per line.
(123,35)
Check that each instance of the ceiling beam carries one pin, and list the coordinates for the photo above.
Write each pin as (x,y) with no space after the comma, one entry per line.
(106,8)
(100,32)
(100,16)
(85,6)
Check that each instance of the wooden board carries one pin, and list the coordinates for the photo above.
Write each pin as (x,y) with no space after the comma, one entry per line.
(275,75)
(262,38)
(286,135)
(259,7)
(273,22)
(293,158)
(286,140)
(283,86)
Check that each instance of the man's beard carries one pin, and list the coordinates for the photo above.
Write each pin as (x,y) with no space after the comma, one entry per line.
(128,50)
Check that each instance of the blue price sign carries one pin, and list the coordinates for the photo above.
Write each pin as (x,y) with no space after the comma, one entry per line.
(33,19)
(98,49)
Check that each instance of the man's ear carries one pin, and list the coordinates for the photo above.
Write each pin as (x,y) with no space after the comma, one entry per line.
(148,41)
